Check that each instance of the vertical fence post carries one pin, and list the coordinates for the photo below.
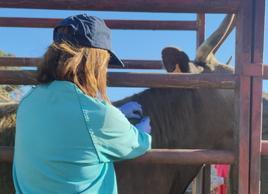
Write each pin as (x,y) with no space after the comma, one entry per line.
(258,9)
(206,179)
(240,174)
(242,115)
(200,33)
(255,141)
(200,37)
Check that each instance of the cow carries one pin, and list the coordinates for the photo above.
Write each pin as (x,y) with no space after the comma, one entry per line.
(180,118)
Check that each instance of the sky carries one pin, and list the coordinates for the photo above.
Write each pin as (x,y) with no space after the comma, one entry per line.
(128,44)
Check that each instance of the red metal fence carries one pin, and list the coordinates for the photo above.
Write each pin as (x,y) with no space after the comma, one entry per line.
(249,72)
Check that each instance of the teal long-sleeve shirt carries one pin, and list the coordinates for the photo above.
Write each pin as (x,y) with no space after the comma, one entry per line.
(66,142)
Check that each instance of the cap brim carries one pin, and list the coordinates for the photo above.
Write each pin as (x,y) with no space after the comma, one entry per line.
(115,61)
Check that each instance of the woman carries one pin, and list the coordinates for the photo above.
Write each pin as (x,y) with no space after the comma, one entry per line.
(67,133)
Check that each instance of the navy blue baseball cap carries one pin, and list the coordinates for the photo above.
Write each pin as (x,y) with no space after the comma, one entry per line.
(86,31)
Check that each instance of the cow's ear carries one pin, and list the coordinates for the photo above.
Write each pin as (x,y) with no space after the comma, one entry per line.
(175,60)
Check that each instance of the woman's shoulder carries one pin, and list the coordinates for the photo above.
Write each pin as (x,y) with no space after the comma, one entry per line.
(52,90)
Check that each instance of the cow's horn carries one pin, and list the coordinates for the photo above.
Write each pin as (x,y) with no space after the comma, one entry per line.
(215,39)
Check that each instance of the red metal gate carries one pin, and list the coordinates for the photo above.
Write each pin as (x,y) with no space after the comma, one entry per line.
(249,72)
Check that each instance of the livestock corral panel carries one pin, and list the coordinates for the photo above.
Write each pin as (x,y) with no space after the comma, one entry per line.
(246,81)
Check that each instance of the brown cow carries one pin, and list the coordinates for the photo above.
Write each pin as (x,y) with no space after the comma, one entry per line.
(180,118)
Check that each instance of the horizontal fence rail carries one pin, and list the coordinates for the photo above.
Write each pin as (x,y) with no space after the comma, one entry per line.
(187,156)
(113,24)
(168,156)
(172,80)
(129,64)
(185,6)
(33,62)
(265,71)
(264,148)
(153,80)
(163,156)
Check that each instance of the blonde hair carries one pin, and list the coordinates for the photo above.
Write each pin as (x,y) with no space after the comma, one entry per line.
(86,67)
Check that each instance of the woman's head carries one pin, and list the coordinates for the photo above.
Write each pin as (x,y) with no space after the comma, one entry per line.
(80,53)
(86,67)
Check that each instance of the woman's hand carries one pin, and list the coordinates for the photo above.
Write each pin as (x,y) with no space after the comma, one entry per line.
(144,125)
(132,110)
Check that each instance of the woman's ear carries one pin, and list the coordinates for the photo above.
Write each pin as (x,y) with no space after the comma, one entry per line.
(175,60)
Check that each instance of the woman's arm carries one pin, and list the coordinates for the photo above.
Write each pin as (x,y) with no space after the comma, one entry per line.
(118,139)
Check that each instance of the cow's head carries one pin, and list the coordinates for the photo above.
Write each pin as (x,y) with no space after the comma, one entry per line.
(177,61)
